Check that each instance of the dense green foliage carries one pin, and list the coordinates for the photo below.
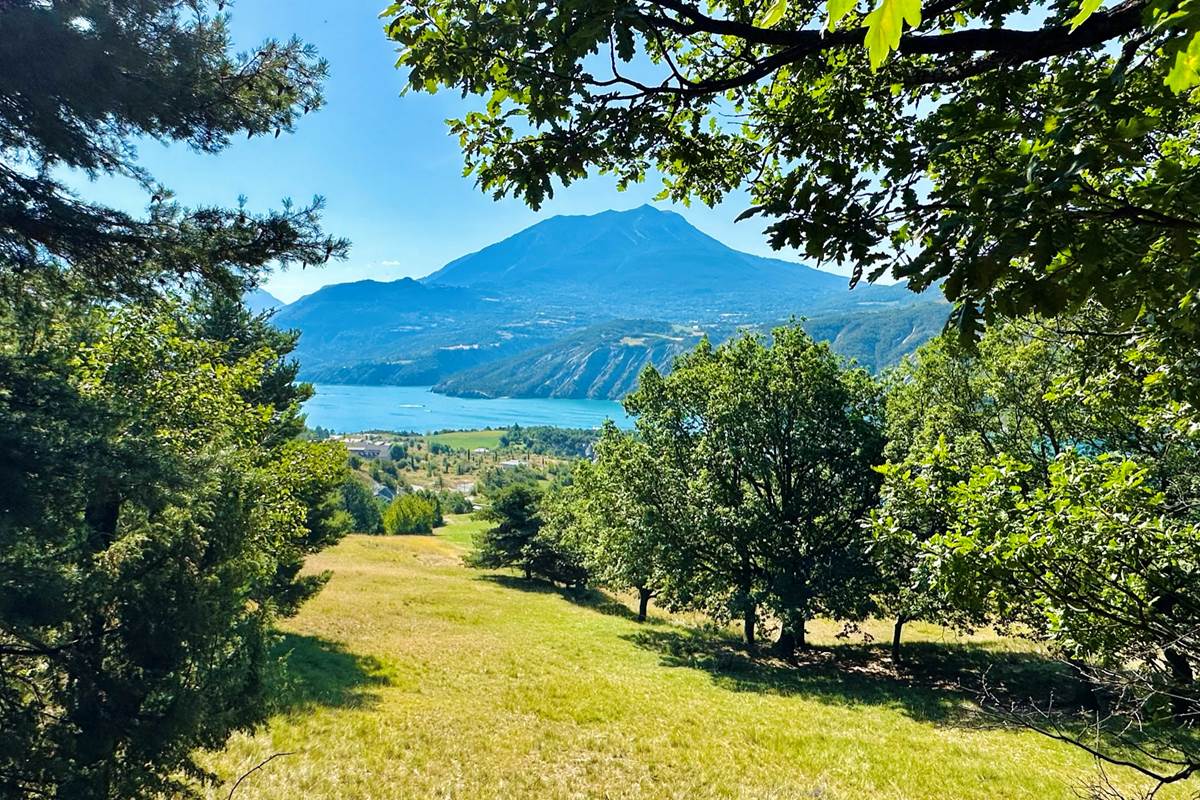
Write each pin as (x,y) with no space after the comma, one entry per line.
(745,488)
(157,501)
(1030,404)
(365,512)
(626,543)
(1040,482)
(410,513)
(449,502)
(157,511)
(496,478)
(517,539)
(564,442)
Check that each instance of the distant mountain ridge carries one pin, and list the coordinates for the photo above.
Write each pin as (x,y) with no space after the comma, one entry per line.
(260,301)
(647,261)
(402,332)
(604,361)
(577,306)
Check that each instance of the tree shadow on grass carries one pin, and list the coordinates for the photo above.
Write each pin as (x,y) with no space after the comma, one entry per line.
(593,599)
(937,683)
(320,672)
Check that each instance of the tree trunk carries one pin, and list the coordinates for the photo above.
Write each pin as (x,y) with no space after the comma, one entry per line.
(749,621)
(785,645)
(1183,701)
(528,573)
(96,743)
(644,596)
(897,631)
(791,638)
(1183,705)
(1086,694)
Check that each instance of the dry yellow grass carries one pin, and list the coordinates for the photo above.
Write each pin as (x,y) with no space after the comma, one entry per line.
(415,677)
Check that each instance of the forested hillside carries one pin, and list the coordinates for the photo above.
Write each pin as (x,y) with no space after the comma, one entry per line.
(601,362)
(604,361)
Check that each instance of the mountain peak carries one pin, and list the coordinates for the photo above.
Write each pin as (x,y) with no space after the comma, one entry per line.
(646,210)
(260,301)
(628,257)
(519,307)
(643,213)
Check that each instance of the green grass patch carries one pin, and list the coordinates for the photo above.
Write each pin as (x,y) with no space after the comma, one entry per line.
(460,529)
(468,440)
(415,677)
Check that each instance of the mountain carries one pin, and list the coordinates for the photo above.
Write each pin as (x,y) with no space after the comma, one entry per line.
(604,361)
(403,332)
(879,339)
(260,300)
(649,262)
(547,311)
(600,362)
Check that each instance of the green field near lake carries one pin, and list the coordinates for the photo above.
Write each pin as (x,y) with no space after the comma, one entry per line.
(468,440)
(412,676)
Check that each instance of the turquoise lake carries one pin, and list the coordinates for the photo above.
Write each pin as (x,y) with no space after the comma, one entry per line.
(348,409)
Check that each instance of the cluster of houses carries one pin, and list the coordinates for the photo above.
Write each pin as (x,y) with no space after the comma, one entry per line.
(366,448)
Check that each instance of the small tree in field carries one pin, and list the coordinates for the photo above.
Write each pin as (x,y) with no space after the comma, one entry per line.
(517,539)
(409,513)
(364,510)
(626,543)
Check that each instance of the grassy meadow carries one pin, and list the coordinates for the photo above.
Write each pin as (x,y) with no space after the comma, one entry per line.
(412,676)
(468,440)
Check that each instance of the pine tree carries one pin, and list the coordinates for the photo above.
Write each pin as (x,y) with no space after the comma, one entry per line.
(156,503)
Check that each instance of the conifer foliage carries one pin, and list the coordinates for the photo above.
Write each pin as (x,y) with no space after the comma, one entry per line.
(156,503)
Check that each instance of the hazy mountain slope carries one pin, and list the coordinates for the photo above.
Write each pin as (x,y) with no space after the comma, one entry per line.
(879,339)
(260,300)
(405,332)
(604,361)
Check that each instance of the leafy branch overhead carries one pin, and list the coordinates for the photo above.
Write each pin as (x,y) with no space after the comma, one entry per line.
(1024,157)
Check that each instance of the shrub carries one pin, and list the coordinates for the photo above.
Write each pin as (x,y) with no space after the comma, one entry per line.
(409,513)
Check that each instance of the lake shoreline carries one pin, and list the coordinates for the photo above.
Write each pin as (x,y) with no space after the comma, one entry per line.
(346,408)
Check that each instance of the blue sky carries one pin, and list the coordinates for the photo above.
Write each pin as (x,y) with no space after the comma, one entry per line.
(390,173)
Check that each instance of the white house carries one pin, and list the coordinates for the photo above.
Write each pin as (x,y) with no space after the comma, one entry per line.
(364,448)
